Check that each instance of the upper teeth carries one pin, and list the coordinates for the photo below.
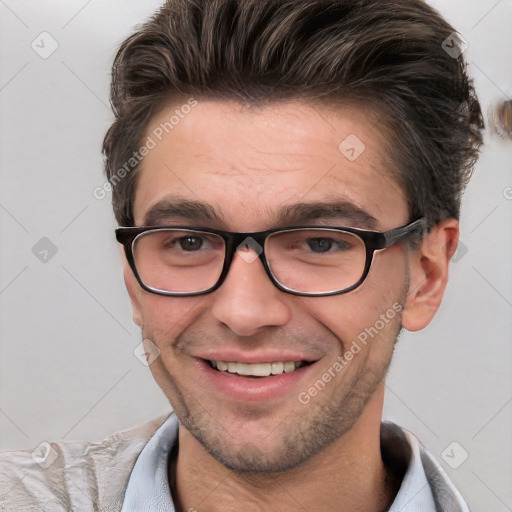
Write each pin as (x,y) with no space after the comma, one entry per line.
(257,369)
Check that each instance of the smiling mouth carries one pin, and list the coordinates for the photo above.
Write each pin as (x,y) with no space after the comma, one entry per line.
(257,369)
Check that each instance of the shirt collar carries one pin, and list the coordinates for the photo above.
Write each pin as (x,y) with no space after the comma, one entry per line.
(415,493)
(148,486)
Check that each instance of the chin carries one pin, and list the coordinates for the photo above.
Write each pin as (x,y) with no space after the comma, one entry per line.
(251,460)
(278,448)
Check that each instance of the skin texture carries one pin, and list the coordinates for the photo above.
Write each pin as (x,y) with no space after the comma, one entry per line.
(246,164)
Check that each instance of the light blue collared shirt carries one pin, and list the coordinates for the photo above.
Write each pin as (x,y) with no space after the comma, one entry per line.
(148,487)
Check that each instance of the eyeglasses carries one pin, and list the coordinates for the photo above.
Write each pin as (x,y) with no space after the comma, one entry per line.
(307,260)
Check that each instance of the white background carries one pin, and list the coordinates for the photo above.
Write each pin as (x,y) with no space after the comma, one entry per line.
(67,369)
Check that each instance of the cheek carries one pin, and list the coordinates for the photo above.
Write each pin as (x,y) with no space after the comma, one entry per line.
(367,313)
(346,315)
(165,318)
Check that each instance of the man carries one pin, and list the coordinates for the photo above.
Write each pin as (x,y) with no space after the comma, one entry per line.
(287,178)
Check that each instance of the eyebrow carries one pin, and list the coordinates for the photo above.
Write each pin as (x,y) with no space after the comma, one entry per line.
(340,210)
(161,212)
(343,211)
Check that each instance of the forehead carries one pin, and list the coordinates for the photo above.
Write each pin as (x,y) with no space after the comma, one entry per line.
(247,164)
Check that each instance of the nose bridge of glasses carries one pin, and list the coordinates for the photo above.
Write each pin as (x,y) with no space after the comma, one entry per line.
(248,246)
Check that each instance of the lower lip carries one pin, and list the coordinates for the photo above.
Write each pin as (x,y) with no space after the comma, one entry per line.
(239,387)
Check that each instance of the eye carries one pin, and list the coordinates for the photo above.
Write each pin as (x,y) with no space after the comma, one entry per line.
(321,245)
(190,243)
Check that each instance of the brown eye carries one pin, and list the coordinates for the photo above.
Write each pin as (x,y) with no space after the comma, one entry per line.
(190,243)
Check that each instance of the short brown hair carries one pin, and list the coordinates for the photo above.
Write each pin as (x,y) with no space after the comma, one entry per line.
(386,54)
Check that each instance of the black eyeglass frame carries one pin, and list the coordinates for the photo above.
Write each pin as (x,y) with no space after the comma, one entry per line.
(373,241)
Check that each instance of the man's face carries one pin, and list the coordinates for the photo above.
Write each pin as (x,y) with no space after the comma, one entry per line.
(248,168)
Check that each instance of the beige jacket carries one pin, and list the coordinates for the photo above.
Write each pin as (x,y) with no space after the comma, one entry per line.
(80,477)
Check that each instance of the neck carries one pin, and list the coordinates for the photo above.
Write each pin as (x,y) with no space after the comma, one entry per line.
(348,476)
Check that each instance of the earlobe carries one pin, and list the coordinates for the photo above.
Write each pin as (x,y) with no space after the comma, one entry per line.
(428,270)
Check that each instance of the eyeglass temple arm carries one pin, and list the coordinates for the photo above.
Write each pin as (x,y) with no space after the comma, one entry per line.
(398,234)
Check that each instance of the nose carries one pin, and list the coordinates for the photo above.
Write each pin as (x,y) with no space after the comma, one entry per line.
(247,301)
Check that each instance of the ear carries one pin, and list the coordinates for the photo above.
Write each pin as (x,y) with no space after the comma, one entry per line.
(428,267)
(133,289)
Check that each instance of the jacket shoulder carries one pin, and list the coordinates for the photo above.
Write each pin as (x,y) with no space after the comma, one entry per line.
(73,476)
